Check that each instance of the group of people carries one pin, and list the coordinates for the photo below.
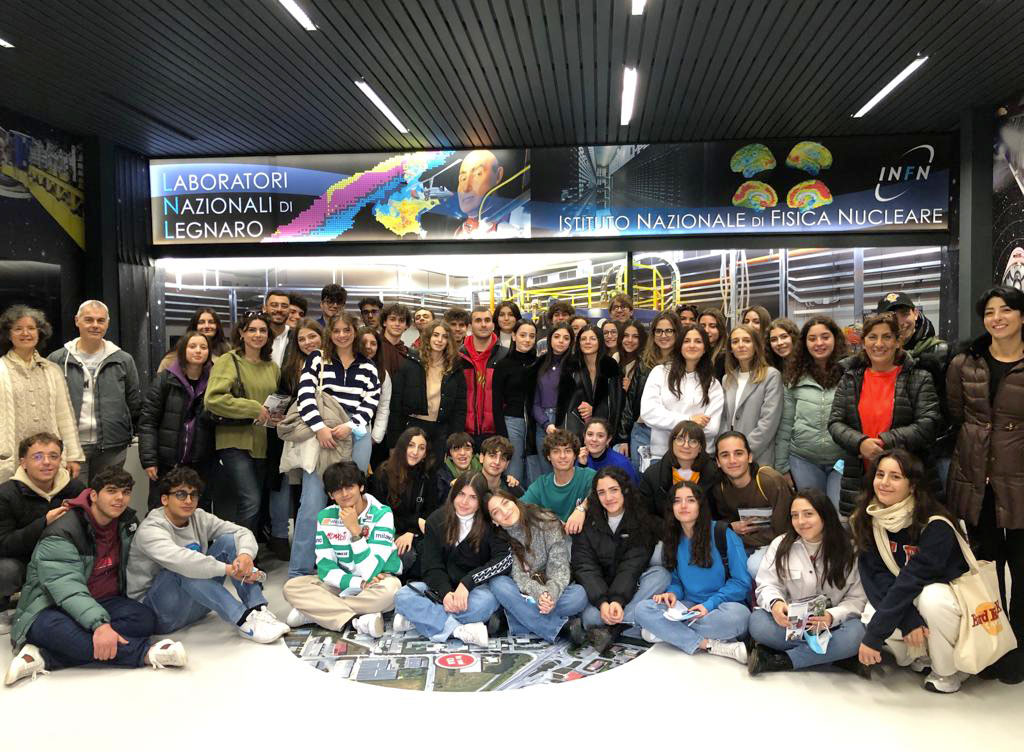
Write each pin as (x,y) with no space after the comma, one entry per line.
(680,481)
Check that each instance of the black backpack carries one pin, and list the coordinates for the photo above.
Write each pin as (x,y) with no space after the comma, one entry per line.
(720,543)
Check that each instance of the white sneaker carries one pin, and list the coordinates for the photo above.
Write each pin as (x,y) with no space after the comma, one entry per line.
(6,619)
(735,650)
(167,653)
(946,685)
(648,636)
(261,626)
(28,662)
(921,664)
(401,624)
(296,618)
(474,633)
(370,624)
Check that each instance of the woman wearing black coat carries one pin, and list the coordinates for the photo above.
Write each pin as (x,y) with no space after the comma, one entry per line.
(430,392)
(882,402)
(610,557)
(171,431)
(591,384)
(686,459)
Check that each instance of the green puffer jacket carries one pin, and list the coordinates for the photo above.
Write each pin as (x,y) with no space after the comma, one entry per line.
(60,568)
(803,430)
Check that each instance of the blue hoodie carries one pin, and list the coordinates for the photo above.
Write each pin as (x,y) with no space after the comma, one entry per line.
(710,587)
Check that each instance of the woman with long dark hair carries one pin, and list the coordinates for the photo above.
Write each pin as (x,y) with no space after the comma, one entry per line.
(430,392)
(545,403)
(537,595)
(660,348)
(753,393)
(512,378)
(171,429)
(685,388)
(985,389)
(883,401)
(705,601)
(405,483)
(611,333)
(369,344)
(783,344)
(813,557)
(206,322)
(758,318)
(595,387)
(804,451)
(712,321)
(610,558)
(506,316)
(460,553)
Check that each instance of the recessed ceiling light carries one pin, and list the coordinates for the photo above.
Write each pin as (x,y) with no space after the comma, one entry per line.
(5,43)
(887,89)
(628,94)
(379,104)
(298,14)
(638,7)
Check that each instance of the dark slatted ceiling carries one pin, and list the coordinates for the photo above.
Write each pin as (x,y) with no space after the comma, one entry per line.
(241,76)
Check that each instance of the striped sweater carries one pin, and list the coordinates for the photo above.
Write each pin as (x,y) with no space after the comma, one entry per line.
(356,388)
(347,564)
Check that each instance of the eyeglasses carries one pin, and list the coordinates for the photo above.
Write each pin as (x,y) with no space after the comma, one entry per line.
(664,332)
(182,495)
(40,456)
(687,441)
(619,307)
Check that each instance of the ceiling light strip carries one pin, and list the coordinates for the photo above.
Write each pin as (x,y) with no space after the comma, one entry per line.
(628,94)
(298,14)
(379,104)
(887,89)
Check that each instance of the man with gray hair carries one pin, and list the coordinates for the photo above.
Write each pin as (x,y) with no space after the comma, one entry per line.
(104,387)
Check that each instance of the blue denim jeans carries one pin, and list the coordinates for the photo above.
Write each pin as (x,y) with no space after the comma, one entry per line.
(639,436)
(727,622)
(280,508)
(432,621)
(64,643)
(312,501)
(807,474)
(653,581)
(244,475)
(525,618)
(516,428)
(846,639)
(361,450)
(179,601)
(754,561)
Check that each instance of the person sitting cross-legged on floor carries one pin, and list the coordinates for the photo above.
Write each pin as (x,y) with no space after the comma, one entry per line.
(461,552)
(181,556)
(356,560)
(73,609)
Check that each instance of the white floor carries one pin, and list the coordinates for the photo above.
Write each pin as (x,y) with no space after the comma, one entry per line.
(268,699)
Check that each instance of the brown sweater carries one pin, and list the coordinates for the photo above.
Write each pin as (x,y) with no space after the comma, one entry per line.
(767,489)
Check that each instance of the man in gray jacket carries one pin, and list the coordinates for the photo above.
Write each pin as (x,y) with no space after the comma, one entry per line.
(179,560)
(104,387)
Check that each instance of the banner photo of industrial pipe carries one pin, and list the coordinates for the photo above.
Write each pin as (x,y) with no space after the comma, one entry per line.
(770,186)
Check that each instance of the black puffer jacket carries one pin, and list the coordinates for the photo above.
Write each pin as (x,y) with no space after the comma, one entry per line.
(609,565)
(605,395)
(915,423)
(657,480)
(409,397)
(171,418)
(444,567)
(418,499)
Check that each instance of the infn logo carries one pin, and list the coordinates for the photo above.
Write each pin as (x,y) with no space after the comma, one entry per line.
(892,175)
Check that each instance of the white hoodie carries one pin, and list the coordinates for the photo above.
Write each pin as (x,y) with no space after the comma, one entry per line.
(663,411)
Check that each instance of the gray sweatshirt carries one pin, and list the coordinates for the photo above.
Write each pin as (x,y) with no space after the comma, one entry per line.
(548,554)
(159,545)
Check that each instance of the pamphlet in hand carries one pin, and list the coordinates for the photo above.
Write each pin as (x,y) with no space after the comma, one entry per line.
(680,612)
(801,611)
(759,516)
(277,406)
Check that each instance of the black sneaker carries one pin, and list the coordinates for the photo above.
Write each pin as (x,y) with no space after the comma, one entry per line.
(601,638)
(762,659)
(854,666)
(574,630)
(497,625)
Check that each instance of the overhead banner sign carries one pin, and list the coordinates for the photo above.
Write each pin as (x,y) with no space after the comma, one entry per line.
(770,186)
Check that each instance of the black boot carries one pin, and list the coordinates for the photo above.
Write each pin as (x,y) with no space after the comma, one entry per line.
(280,549)
(601,638)
(573,629)
(762,659)
(854,666)
(497,625)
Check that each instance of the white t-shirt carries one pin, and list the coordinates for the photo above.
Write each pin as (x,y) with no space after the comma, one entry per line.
(742,377)
(465,525)
(613,522)
(277,349)
(87,433)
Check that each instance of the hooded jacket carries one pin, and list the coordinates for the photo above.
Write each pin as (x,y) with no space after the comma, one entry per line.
(59,571)
(23,508)
(932,354)
(478,371)
(117,400)
(915,421)
(803,431)
(609,565)
(990,435)
(171,430)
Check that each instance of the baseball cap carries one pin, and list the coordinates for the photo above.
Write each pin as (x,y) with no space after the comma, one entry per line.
(334,293)
(894,300)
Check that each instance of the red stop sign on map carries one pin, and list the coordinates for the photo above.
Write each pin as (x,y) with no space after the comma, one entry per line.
(455,660)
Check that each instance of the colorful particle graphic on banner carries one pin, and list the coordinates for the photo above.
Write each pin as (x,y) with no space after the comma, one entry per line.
(809,156)
(752,159)
(755,195)
(392,186)
(809,194)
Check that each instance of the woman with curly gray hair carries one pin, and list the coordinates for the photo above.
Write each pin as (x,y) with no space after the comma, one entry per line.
(33,393)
